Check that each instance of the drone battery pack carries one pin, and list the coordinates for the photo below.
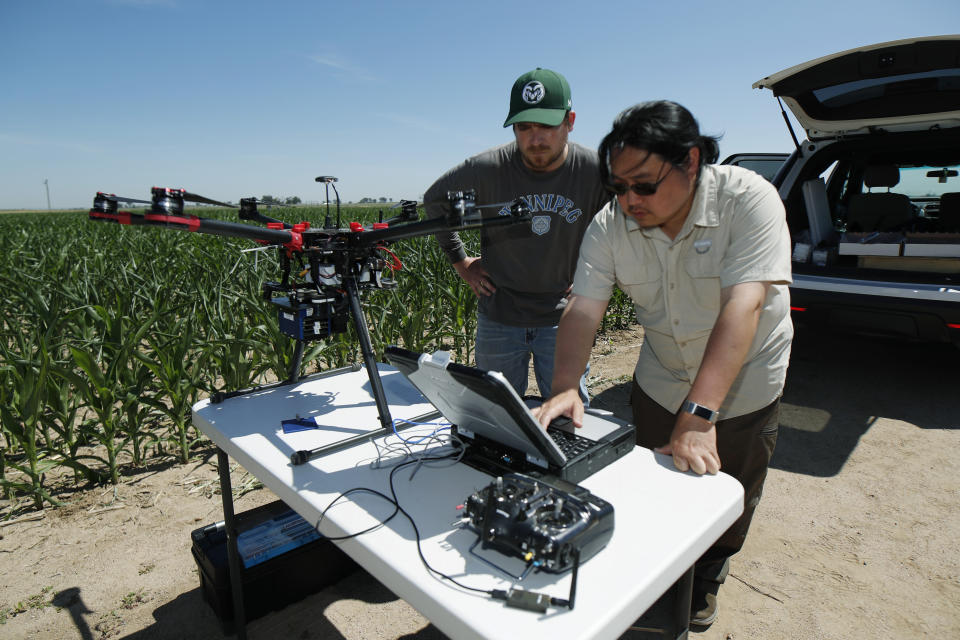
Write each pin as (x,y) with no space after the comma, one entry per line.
(306,321)
(299,321)
(284,560)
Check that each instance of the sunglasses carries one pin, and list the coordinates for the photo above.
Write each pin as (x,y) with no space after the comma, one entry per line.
(639,188)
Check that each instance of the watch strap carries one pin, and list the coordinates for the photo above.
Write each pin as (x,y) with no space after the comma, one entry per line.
(701,411)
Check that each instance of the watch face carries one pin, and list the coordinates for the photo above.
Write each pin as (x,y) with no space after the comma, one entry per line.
(701,411)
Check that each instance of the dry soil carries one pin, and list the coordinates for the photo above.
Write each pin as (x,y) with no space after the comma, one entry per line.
(855,536)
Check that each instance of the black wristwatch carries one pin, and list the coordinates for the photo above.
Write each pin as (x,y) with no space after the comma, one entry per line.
(701,411)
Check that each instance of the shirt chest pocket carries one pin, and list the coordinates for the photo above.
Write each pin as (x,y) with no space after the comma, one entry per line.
(641,281)
(703,271)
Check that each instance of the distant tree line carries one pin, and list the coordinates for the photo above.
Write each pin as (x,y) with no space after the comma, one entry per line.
(271,200)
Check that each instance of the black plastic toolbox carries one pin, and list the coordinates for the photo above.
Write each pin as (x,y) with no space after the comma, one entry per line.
(284,560)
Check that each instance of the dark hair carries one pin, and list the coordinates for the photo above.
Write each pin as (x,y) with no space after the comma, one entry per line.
(662,127)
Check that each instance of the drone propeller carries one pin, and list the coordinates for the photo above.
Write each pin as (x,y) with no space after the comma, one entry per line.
(249,211)
(496,205)
(107,203)
(408,211)
(462,216)
(409,208)
(277,203)
(112,197)
(193,197)
(492,205)
(406,203)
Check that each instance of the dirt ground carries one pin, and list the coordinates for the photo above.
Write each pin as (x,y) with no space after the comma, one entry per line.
(855,536)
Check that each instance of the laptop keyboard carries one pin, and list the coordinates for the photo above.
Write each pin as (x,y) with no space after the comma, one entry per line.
(571,444)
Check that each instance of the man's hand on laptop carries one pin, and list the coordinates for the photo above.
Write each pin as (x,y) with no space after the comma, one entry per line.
(566,403)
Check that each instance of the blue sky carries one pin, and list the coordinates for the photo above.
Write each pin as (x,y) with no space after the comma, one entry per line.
(237,99)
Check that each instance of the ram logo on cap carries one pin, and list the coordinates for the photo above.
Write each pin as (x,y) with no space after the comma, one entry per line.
(533,92)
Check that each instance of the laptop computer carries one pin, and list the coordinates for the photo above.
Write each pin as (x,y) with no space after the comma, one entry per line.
(499,431)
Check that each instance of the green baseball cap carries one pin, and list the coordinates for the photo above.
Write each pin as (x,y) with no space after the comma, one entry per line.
(541,96)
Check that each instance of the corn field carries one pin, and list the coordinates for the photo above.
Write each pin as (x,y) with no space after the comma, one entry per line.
(110,334)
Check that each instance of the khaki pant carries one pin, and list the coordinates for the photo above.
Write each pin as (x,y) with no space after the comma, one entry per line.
(745,445)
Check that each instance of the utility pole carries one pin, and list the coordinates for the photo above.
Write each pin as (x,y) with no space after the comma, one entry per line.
(48,193)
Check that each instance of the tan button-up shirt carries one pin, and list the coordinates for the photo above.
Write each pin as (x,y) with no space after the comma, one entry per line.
(736,232)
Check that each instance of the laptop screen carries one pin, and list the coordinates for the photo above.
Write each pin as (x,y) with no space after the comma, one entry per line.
(478,402)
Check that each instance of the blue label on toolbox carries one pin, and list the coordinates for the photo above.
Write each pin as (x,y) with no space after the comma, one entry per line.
(274,537)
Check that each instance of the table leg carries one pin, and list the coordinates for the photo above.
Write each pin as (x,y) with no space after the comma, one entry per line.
(683,591)
(233,555)
(669,617)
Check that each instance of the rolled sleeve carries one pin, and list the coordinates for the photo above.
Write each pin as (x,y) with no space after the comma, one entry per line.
(595,276)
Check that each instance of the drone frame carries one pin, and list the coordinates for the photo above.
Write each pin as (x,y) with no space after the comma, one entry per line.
(342,262)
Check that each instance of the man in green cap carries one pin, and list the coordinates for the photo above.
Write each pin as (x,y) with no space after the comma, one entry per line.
(524,272)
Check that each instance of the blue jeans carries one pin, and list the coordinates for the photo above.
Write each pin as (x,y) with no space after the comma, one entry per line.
(500,347)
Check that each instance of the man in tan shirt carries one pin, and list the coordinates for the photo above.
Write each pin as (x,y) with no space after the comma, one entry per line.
(704,252)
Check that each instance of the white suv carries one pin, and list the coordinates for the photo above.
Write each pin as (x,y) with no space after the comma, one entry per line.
(873,193)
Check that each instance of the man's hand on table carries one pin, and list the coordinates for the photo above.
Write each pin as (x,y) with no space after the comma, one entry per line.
(693,445)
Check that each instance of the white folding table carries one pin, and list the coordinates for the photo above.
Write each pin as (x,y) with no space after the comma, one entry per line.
(664,519)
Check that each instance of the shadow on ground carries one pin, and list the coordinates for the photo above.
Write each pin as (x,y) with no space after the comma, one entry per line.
(838,385)
(189,617)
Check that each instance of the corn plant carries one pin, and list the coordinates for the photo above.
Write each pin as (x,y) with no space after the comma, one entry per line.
(23,398)
(128,328)
(110,380)
(177,377)
(620,313)
(64,437)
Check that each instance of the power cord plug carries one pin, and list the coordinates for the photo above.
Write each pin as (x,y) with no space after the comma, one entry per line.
(528,600)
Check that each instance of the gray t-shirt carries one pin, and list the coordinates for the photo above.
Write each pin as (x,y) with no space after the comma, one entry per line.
(532,265)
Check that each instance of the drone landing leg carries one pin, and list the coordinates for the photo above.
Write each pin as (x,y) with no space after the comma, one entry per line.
(294,376)
(353,293)
(376,385)
(295,362)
